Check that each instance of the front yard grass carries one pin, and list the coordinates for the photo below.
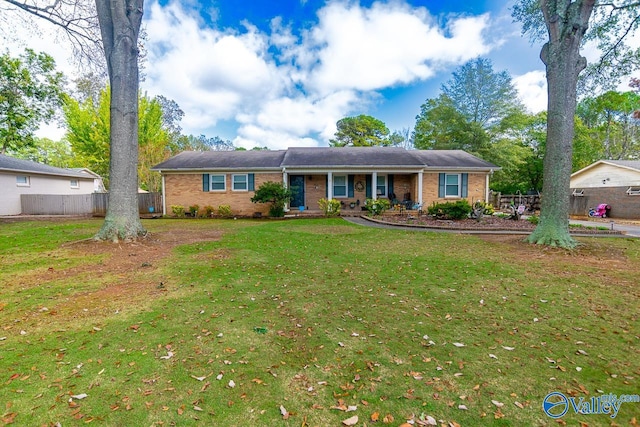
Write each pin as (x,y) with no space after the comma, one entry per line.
(308,323)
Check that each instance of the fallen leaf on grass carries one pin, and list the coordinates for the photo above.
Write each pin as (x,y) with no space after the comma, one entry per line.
(79,396)
(518,404)
(388,419)
(284,413)
(459,344)
(375,417)
(350,421)
(168,356)
(9,418)
(508,348)
(198,378)
(498,404)
(427,421)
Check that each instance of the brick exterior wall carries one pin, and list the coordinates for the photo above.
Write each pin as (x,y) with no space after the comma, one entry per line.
(476,186)
(186,190)
(623,206)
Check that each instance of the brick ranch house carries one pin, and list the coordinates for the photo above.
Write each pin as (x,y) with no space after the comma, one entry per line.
(348,174)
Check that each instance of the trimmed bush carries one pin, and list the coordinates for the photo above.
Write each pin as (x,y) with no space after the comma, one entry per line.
(450,210)
(329,207)
(377,207)
(225,211)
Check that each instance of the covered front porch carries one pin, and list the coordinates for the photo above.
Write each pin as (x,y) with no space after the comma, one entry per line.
(352,189)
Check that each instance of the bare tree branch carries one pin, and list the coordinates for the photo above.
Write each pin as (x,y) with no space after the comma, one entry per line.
(76,19)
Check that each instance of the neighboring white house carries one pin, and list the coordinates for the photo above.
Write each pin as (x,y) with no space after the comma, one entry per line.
(615,182)
(608,173)
(18,177)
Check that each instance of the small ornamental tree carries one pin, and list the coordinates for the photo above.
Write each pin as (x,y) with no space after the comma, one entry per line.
(276,194)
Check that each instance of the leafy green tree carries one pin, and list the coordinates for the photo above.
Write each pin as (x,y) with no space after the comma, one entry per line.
(201,143)
(30,93)
(153,142)
(609,118)
(563,24)
(274,193)
(482,95)
(441,126)
(48,152)
(360,131)
(88,131)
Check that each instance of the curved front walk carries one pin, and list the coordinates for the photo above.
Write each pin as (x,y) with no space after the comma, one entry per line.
(627,229)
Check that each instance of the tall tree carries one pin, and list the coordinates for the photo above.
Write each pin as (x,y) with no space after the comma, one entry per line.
(120,22)
(119,26)
(30,93)
(360,131)
(564,24)
(481,94)
(441,126)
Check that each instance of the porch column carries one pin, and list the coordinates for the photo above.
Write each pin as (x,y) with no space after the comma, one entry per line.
(285,183)
(420,175)
(374,185)
(164,197)
(329,185)
(486,189)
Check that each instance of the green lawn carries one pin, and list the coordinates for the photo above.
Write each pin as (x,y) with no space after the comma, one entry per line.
(293,323)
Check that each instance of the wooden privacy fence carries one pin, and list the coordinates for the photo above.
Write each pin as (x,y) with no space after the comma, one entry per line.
(55,204)
(83,204)
(148,203)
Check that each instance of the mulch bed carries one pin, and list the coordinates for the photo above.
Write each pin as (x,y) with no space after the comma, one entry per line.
(486,223)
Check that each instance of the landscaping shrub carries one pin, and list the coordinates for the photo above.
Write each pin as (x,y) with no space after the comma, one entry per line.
(177,210)
(193,210)
(377,207)
(208,211)
(450,210)
(533,219)
(329,207)
(225,211)
(276,194)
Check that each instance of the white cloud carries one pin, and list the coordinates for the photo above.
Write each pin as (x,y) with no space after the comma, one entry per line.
(287,88)
(386,45)
(532,88)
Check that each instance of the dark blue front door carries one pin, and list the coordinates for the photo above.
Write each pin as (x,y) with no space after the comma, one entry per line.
(296,184)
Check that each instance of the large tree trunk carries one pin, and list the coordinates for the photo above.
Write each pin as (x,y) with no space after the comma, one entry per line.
(120,26)
(567,22)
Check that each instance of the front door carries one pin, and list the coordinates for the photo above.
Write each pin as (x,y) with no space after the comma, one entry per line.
(296,185)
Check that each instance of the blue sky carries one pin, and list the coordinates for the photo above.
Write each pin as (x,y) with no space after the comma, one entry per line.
(282,73)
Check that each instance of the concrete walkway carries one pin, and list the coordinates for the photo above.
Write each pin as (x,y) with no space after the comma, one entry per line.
(628,230)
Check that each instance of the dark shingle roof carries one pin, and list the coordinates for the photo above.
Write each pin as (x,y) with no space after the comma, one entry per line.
(451,159)
(190,160)
(324,157)
(349,156)
(26,166)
